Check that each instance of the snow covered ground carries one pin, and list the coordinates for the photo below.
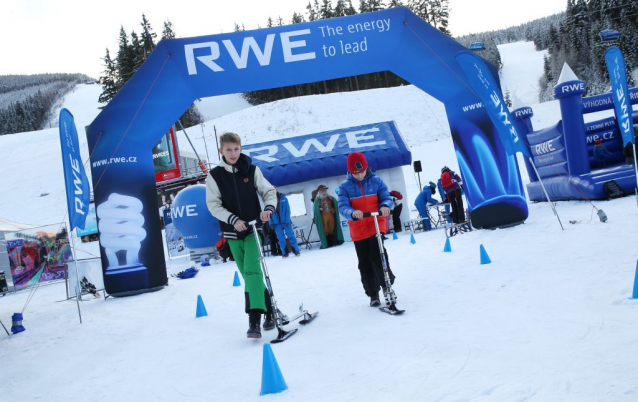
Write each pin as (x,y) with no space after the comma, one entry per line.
(550,319)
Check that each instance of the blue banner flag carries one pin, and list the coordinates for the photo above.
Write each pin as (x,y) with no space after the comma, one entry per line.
(489,93)
(77,184)
(620,93)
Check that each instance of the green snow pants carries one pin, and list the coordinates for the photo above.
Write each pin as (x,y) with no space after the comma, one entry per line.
(246,256)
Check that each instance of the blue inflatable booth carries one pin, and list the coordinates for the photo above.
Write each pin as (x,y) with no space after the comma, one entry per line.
(564,152)
(298,165)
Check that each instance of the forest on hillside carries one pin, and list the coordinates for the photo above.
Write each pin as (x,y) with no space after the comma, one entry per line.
(576,41)
(25,100)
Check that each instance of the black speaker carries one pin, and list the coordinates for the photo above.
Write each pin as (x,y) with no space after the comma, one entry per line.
(417,166)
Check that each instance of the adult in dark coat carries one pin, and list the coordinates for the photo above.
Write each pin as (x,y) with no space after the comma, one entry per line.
(327,218)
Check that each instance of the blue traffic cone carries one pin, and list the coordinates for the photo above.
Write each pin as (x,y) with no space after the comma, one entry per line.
(448,246)
(201,309)
(272,381)
(394,235)
(635,295)
(412,241)
(485,259)
(236,280)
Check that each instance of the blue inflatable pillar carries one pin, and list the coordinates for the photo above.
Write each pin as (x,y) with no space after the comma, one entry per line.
(523,122)
(635,293)
(272,381)
(569,91)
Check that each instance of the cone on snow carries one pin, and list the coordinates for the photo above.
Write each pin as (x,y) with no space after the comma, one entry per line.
(201,309)
(485,259)
(448,246)
(412,241)
(272,381)
(394,235)
(635,294)
(236,280)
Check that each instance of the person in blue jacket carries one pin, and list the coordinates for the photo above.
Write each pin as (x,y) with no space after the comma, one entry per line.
(443,195)
(282,224)
(424,198)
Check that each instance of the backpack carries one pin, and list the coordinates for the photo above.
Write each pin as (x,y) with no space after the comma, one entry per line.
(613,190)
(221,244)
(446,180)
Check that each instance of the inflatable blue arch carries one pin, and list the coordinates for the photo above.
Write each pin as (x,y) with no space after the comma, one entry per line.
(563,152)
(182,70)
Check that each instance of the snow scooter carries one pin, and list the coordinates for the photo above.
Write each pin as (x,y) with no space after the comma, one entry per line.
(280,318)
(388,293)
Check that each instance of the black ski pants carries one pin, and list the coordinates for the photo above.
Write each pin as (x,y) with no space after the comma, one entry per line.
(370,266)
(455,199)
(396,217)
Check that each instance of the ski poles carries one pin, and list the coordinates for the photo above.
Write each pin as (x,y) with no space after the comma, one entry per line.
(388,293)
(280,319)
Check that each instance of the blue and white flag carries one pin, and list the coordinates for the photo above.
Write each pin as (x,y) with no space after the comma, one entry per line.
(620,93)
(77,184)
(488,92)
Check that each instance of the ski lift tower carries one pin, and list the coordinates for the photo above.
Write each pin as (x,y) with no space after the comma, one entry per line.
(609,36)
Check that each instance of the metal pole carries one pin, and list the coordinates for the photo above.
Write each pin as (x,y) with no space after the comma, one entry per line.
(77,296)
(189,140)
(5,328)
(205,145)
(635,172)
(545,191)
(217,143)
(75,262)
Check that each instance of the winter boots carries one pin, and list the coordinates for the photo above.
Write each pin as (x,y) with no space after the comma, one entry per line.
(374,300)
(269,321)
(254,323)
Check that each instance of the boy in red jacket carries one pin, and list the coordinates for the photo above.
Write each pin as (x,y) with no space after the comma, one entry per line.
(363,191)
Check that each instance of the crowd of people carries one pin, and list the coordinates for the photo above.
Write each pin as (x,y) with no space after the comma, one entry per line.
(233,192)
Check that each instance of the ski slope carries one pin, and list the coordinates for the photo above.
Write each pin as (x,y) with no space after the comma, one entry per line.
(550,319)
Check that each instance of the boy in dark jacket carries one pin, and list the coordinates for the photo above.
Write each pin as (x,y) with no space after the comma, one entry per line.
(231,196)
(363,191)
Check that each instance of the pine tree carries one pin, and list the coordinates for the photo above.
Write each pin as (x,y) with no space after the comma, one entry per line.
(108,80)
(168,33)
(124,61)
(147,37)
(297,18)
(326,10)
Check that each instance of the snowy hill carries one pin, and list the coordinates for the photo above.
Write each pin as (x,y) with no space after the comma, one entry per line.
(550,319)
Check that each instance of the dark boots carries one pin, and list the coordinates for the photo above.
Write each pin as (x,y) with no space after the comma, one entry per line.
(254,323)
(374,300)
(269,321)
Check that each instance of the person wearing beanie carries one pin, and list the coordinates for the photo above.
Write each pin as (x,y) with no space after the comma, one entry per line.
(364,191)
(422,201)
(452,183)
(599,153)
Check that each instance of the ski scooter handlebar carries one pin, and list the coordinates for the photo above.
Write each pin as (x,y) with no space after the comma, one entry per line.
(369,214)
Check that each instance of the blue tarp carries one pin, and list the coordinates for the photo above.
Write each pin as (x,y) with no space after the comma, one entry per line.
(322,155)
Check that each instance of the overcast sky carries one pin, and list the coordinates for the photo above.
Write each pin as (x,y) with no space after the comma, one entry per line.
(50,36)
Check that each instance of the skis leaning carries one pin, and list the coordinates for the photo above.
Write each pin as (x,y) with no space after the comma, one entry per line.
(456,228)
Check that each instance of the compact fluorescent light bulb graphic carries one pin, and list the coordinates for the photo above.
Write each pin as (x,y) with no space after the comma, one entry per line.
(121,229)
